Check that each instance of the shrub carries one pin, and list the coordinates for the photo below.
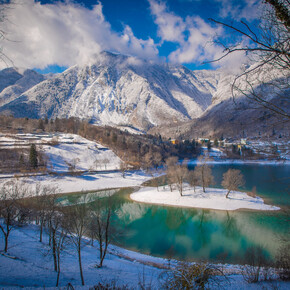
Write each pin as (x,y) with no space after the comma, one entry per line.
(256,266)
(191,276)
(282,263)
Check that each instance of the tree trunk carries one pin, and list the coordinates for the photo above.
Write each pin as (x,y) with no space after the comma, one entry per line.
(106,237)
(101,252)
(54,252)
(40,235)
(227,193)
(80,264)
(6,243)
(58,270)
(180,190)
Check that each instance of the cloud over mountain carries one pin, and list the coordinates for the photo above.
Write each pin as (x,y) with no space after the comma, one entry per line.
(65,34)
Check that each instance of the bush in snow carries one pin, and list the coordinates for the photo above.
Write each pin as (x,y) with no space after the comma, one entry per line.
(191,276)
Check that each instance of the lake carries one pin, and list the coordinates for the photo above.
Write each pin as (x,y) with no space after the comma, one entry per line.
(196,234)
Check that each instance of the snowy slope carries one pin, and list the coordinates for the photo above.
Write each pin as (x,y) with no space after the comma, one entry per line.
(29,265)
(125,91)
(14,82)
(66,150)
(119,90)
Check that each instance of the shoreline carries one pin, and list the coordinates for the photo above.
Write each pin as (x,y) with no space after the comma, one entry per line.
(238,162)
(213,199)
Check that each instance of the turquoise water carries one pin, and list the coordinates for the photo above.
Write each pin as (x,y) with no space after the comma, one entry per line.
(194,234)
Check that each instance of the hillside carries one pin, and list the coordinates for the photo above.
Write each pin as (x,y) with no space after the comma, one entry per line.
(14,82)
(119,90)
(142,96)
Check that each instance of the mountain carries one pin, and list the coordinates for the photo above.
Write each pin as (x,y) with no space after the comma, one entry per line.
(14,82)
(119,90)
(242,116)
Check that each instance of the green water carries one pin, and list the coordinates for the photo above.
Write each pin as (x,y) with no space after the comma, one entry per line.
(194,234)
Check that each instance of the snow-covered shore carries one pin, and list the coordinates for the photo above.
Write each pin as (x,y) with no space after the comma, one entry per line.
(29,264)
(85,182)
(213,198)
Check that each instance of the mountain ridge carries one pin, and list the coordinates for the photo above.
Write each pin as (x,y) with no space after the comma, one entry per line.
(119,90)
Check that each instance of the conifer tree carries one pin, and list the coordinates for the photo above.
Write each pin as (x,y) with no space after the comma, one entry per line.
(33,157)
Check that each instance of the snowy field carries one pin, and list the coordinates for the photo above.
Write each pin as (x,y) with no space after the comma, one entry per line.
(65,151)
(85,182)
(29,264)
(213,198)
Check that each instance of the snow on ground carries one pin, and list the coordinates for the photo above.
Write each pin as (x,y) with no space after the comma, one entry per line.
(278,147)
(85,182)
(213,198)
(84,156)
(29,264)
(65,151)
(33,266)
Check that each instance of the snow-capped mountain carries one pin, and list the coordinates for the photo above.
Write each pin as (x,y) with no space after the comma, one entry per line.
(14,82)
(257,105)
(119,90)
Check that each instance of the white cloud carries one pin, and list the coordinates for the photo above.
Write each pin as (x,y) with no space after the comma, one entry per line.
(65,34)
(170,27)
(194,36)
(238,10)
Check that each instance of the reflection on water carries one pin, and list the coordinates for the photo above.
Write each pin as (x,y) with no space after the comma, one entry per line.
(81,198)
(195,234)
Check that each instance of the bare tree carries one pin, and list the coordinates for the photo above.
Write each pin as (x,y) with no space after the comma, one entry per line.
(181,173)
(192,178)
(232,179)
(268,44)
(51,219)
(59,237)
(177,175)
(42,204)
(282,262)
(256,265)
(123,168)
(106,161)
(157,159)
(76,224)
(73,164)
(148,160)
(203,172)
(101,230)
(171,162)
(4,7)
(96,163)
(11,209)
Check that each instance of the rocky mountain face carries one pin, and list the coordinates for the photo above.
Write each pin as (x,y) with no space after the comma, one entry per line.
(242,111)
(14,82)
(120,90)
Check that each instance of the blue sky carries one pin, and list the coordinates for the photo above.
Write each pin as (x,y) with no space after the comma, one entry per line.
(51,35)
